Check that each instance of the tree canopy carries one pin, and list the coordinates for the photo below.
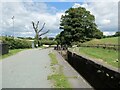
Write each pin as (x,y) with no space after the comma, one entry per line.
(78,25)
(117,33)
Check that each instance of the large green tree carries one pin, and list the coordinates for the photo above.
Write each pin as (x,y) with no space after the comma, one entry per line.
(78,25)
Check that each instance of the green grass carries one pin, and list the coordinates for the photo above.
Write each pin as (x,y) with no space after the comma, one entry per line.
(0,37)
(112,40)
(53,59)
(108,56)
(58,78)
(11,52)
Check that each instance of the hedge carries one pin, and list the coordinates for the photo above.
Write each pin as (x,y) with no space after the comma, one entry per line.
(16,43)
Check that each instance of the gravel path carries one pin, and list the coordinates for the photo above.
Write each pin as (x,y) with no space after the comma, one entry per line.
(27,69)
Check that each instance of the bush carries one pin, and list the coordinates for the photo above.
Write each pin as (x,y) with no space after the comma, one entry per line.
(16,43)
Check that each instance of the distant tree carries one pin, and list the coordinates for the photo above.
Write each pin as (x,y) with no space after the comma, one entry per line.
(51,38)
(98,34)
(78,25)
(38,31)
(30,38)
(46,38)
(21,37)
(117,33)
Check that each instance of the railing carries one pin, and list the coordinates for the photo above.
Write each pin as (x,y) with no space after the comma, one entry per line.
(105,46)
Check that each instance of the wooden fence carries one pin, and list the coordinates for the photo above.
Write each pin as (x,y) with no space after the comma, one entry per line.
(105,46)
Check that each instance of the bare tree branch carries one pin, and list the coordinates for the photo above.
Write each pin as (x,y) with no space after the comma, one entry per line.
(43,33)
(34,26)
(41,28)
(37,24)
(37,31)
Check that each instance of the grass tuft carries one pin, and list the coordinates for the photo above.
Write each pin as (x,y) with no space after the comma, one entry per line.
(58,78)
(53,59)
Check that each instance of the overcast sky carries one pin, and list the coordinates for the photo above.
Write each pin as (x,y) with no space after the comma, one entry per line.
(24,12)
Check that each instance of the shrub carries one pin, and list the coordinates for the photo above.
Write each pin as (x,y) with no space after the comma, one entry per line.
(16,43)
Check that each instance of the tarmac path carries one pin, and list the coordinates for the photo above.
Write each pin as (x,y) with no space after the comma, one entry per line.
(27,69)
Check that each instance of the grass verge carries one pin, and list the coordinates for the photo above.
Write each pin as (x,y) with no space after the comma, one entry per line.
(53,59)
(58,78)
(60,81)
(11,52)
(108,56)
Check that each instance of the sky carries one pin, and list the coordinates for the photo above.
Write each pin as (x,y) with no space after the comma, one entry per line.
(49,12)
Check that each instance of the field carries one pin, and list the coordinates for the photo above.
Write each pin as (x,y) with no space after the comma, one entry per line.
(112,40)
(108,56)
(0,37)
